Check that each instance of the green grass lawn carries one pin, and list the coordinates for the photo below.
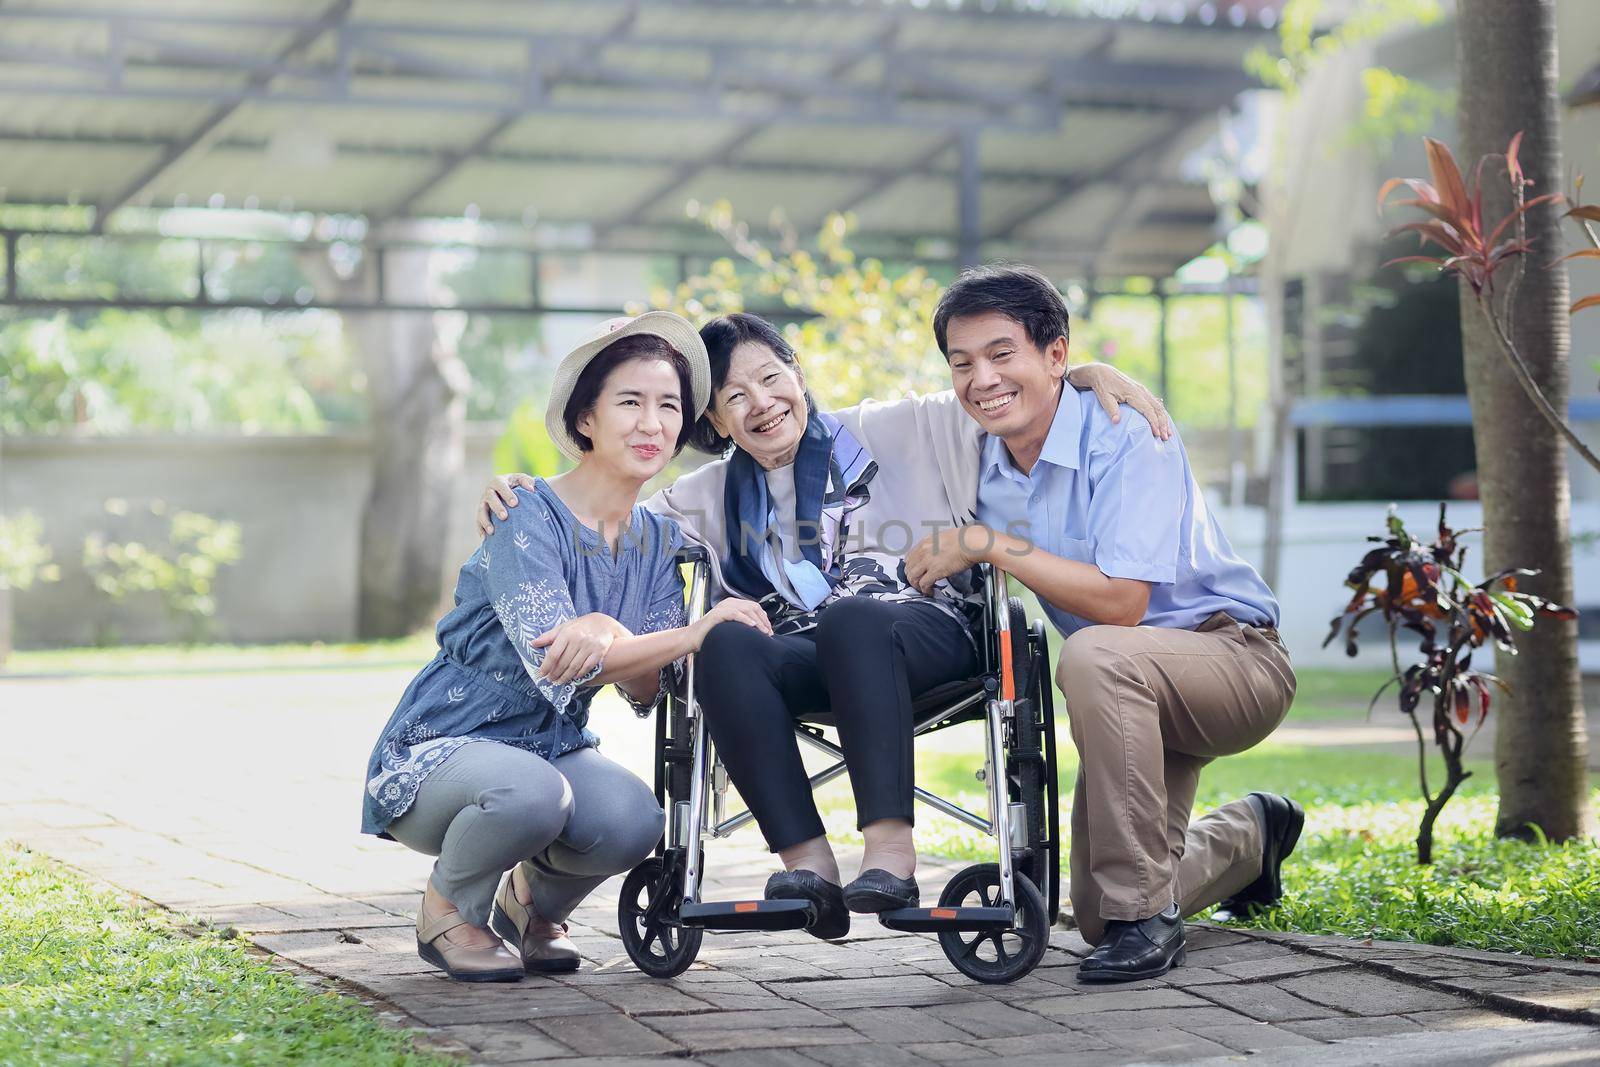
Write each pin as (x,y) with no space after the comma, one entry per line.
(1323,695)
(88,978)
(1356,874)
(1355,871)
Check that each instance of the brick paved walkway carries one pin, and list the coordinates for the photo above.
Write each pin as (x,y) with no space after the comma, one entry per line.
(233,799)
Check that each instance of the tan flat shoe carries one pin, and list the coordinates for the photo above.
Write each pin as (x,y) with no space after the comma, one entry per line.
(464,963)
(544,945)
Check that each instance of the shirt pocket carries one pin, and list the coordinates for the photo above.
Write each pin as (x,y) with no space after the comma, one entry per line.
(1078,548)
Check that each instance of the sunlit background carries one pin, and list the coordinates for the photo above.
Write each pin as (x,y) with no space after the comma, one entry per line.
(284,281)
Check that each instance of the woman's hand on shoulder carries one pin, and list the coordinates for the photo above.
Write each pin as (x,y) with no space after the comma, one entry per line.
(576,647)
(732,609)
(1112,387)
(500,495)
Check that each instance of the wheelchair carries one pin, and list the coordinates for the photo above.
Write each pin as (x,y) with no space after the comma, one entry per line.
(992,920)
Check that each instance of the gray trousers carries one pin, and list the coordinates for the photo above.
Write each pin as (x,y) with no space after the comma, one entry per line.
(572,822)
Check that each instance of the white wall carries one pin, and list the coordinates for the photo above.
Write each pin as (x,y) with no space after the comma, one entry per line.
(1322,542)
(1323,214)
(298,500)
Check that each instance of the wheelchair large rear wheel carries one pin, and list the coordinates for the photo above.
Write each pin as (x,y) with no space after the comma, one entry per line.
(989,956)
(647,917)
(1029,766)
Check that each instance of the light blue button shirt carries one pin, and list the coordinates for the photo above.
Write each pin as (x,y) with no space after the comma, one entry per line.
(1113,495)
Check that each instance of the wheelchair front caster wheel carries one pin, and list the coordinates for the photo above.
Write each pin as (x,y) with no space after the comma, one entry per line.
(647,916)
(989,956)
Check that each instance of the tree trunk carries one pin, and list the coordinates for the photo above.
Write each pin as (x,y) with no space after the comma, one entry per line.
(5,626)
(416,390)
(5,593)
(418,423)
(1507,63)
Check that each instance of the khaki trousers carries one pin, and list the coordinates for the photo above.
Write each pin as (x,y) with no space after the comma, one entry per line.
(1149,707)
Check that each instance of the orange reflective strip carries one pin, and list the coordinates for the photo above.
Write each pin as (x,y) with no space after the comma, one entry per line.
(1008,685)
(1008,680)
(747,905)
(943,913)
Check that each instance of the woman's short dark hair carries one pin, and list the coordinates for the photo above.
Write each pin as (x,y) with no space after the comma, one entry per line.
(1021,293)
(721,336)
(592,379)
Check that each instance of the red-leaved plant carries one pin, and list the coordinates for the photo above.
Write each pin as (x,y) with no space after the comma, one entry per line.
(1478,252)
(1424,591)
(1584,215)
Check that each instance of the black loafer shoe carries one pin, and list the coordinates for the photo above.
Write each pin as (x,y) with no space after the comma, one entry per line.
(833,919)
(1130,951)
(878,890)
(1281,822)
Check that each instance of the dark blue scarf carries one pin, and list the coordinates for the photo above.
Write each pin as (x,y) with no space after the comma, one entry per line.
(829,465)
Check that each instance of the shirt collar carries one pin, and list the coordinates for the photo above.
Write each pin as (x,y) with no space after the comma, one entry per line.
(1060,445)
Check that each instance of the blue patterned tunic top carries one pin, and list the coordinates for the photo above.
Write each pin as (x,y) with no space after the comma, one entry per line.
(539,568)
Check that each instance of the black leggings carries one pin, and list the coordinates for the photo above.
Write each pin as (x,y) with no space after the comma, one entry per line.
(865,662)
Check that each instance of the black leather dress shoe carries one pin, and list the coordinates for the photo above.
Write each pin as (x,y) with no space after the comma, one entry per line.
(833,919)
(878,890)
(1130,951)
(1281,822)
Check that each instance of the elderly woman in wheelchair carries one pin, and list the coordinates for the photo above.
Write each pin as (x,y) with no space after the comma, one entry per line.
(799,516)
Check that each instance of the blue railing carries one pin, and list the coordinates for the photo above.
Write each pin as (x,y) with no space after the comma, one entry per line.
(1416,410)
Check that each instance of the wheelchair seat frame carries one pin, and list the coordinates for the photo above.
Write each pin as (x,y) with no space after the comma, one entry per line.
(993,920)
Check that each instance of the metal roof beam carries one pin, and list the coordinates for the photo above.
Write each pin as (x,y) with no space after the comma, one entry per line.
(452,161)
(1001,11)
(969,225)
(879,176)
(967,14)
(873,244)
(209,126)
(907,81)
(922,164)
(1134,200)
(1073,184)
(378,35)
(1128,84)
(730,145)
(878,114)
(1197,84)
(888,176)
(369,47)
(508,237)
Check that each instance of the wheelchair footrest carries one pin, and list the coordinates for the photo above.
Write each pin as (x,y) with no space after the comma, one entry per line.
(933,920)
(749,914)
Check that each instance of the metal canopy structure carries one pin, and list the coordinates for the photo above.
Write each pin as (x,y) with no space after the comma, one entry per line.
(953,130)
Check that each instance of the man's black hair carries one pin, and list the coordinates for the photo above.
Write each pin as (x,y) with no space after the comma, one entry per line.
(1020,293)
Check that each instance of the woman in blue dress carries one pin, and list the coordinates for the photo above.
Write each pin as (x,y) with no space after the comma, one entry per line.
(487,763)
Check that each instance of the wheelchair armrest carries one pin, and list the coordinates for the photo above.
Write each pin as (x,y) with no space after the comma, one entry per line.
(692,553)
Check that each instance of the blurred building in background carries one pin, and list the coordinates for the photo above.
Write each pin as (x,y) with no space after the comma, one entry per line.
(1370,357)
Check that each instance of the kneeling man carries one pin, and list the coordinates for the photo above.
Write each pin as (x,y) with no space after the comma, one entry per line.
(1171,655)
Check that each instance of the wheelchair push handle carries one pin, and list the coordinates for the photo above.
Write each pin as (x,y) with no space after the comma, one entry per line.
(692,553)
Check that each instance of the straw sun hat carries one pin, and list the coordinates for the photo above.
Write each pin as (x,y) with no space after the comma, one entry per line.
(671,328)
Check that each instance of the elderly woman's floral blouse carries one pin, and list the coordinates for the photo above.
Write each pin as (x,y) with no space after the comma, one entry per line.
(538,569)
